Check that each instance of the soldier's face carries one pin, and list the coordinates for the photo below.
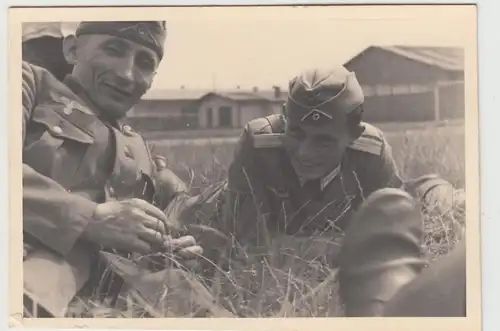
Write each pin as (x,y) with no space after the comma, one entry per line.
(315,150)
(115,72)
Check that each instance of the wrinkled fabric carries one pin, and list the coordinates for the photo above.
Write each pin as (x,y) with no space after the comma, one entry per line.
(51,280)
(438,291)
(381,251)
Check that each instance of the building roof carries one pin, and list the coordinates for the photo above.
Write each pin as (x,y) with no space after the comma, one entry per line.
(239,95)
(447,58)
(175,94)
(193,95)
(250,95)
(269,95)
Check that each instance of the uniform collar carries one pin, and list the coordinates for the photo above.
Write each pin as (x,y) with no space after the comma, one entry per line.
(328,178)
(325,180)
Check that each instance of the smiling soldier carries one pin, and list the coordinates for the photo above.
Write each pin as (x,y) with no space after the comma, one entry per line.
(307,171)
(89,181)
(313,170)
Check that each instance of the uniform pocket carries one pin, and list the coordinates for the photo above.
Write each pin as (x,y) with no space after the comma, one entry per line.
(63,127)
(56,142)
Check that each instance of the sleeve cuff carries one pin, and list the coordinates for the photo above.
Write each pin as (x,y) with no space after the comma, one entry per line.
(61,237)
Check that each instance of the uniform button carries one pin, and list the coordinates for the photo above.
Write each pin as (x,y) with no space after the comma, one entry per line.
(127,130)
(127,152)
(141,31)
(160,161)
(57,129)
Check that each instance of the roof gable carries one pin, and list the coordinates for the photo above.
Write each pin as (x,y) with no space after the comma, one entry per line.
(446,58)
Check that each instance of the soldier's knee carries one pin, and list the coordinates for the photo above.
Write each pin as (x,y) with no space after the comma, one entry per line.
(434,193)
(421,187)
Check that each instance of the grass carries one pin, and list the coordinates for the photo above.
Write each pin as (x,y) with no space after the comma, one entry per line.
(293,282)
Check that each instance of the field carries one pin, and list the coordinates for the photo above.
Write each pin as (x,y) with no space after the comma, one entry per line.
(418,149)
(284,289)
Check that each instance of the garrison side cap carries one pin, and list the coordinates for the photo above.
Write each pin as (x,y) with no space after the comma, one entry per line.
(319,95)
(151,34)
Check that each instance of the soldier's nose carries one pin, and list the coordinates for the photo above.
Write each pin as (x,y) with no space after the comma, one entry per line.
(304,152)
(124,69)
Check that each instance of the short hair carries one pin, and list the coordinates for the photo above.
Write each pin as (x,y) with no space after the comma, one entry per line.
(355,117)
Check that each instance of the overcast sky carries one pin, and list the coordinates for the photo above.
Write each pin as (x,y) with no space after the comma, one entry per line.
(226,47)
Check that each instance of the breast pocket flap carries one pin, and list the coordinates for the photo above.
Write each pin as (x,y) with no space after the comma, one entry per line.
(76,126)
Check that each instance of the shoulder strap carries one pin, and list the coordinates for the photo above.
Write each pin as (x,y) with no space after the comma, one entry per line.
(371,141)
(267,132)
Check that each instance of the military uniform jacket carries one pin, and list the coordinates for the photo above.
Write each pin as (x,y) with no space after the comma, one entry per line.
(264,197)
(72,161)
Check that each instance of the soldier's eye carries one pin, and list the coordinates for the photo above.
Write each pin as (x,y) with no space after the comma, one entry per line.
(145,65)
(115,47)
(145,62)
(114,51)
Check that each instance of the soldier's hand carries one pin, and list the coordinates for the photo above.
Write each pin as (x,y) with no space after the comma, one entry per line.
(131,225)
(184,247)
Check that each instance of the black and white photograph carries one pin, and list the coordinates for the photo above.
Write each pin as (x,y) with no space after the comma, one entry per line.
(246,162)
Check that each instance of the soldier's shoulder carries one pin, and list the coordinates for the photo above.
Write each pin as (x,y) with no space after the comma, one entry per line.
(267,132)
(34,70)
(41,77)
(371,140)
(30,73)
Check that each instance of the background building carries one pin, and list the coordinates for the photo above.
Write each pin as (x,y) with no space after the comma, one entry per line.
(185,109)
(401,84)
(161,110)
(235,109)
(406,84)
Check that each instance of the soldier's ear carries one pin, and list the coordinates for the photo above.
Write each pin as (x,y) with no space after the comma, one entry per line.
(69,49)
(283,109)
(353,120)
(357,131)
